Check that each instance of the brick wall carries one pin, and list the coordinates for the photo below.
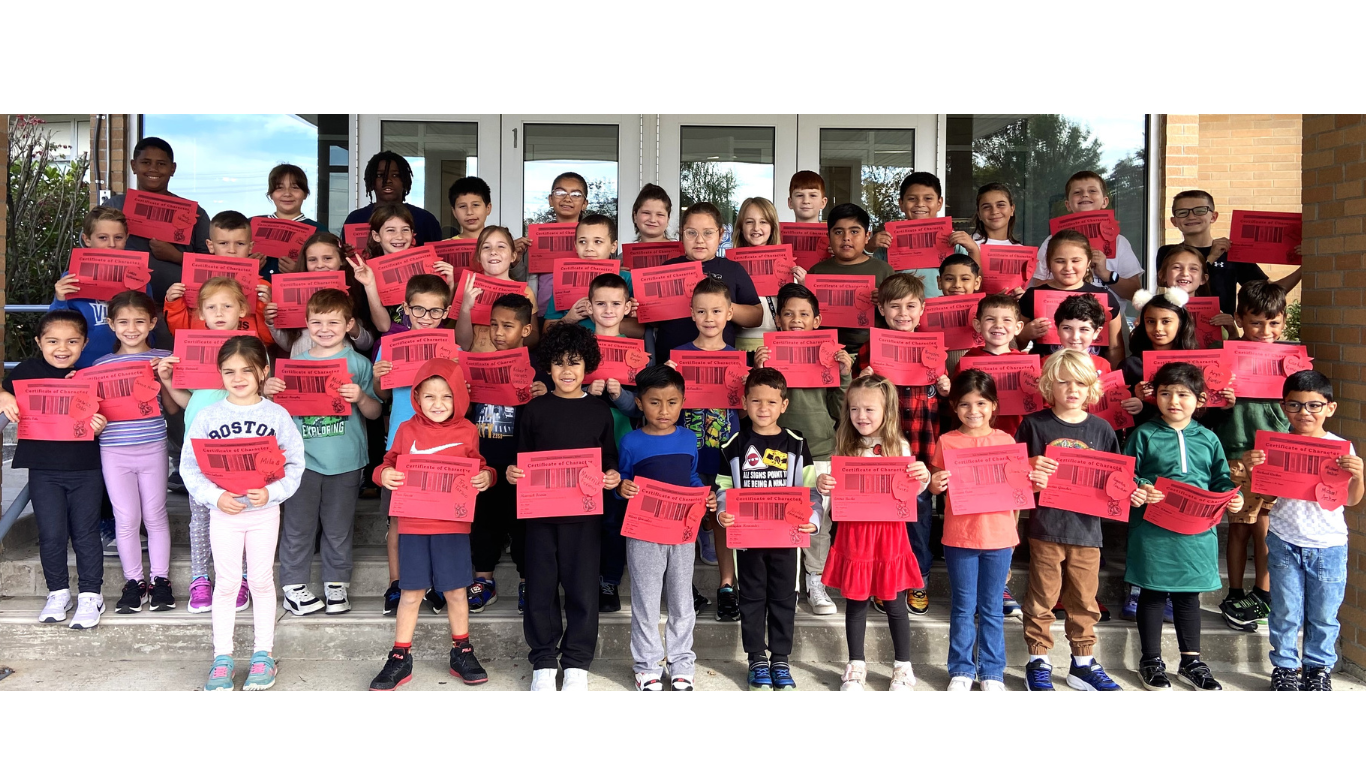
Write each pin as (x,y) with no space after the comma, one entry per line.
(1334,312)
(113,154)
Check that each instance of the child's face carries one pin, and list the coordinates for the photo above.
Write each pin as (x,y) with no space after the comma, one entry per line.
(497,255)
(921,202)
(866,410)
(221,311)
(711,312)
(1077,334)
(388,183)
(230,242)
(763,405)
(1086,195)
(1304,422)
(436,399)
(154,170)
(594,242)
(975,410)
(755,226)
(470,211)
(999,326)
(701,237)
(328,329)
(565,203)
(1162,327)
(1185,271)
(394,235)
(240,378)
(1177,403)
(902,314)
(321,257)
(1068,264)
(567,373)
(61,344)
(288,196)
(661,406)
(958,280)
(797,315)
(1068,395)
(652,219)
(506,330)
(1192,223)
(432,306)
(106,234)
(848,238)
(607,307)
(995,210)
(131,327)
(1260,327)
(807,204)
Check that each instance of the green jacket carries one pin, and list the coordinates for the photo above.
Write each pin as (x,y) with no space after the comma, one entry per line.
(814,412)
(1237,427)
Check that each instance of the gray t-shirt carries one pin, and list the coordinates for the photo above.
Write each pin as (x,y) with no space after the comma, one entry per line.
(164,273)
(1042,429)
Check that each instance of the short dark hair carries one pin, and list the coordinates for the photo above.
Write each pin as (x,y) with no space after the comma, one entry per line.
(397,161)
(658,377)
(471,185)
(806,180)
(702,208)
(1081,307)
(229,221)
(1087,176)
(923,179)
(598,220)
(516,303)
(997,301)
(973,380)
(152,142)
(960,260)
(566,341)
(1261,297)
(1193,194)
(64,316)
(424,283)
(1308,381)
(1185,335)
(278,174)
(712,286)
(798,291)
(847,211)
(1180,374)
(608,280)
(766,377)
(570,175)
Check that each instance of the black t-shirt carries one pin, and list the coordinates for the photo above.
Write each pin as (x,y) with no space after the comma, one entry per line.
(1042,429)
(671,334)
(49,454)
(1224,276)
(554,423)
(1107,298)
(764,461)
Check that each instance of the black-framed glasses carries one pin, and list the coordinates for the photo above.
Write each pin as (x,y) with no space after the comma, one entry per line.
(1295,406)
(1199,210)
(422,312)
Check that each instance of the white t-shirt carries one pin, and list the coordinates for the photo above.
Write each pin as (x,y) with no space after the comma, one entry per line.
(1125,262)
(1306,524)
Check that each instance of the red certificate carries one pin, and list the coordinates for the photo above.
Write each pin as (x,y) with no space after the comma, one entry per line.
(769,266)
(548,243)
(1185,508)
(490,289)
(810,242)
(1299,467)
(240,464)
(712,379)
(1016,378)
(1262,237)
(56,409)
(572,277)
(198,268)
(641,255)
(920,243)
(392,271)
(768,517)
(560,483)
(1216,364)
(1007,267)
(1046,306)
(952,316)
(622,359)
(1114,391)
(279,237)
(357,236)
(805,358)
(459,253)
(665,293)
(1202,309)
(1261,368)
(908,359)
(106,273)
(875,488)
(1090,482)
(197,351)
(1100,227)
(126,391)
(410,349)
(435,487)
(312,386)
(846,300)
(499,378)
(160,217)
(993,478)
(664,513)
(291,291)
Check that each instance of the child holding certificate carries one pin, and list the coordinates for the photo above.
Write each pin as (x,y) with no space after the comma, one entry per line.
(102,228)
(229,235)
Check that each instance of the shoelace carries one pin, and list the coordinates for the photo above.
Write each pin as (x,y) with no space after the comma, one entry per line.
(1099,673)
(259,668)
(1041,675)
(607,589)
(219,672)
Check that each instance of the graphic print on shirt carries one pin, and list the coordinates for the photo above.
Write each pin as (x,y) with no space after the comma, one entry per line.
(495,421)
(437,449)
(763,470)
(1068,442)
(245,428)
(711,425)
(311,427)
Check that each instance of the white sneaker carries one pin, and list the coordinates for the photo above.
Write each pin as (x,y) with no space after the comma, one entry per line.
(903,678)
(648,681)
(58,603)
(960,683)
(336,597)
(821,604)
(89,606)
(993,686)
(300,600)
(576,679)
(543,680)
(855,673)
(681,682)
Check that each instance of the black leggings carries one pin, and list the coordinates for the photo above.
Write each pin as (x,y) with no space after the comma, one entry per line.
(1185,612)
(856,625)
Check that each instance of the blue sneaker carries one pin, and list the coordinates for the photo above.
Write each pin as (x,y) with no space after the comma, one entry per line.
(706,544)
(782,677)
(521,597)
(760,678)
(1009,605)
(1091,678)
(1130,611)
(1038,676)
(1167,612)
(482,593)
(220,674)
(261,674)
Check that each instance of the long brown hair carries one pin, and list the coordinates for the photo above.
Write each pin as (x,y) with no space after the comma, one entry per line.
(134,300)
(382,213)
(252,350)
(848,441)
(978,226)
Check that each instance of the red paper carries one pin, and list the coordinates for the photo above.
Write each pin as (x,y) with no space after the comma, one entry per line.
(573,276)
(160,217)
(393,271)
(1016,378)
(197,268)
(499,378)
(641,255)
(805,358)
(126,391)
(554,485)
(1296,465)
(665,293)
(311,387)
(865,489)
(810,242)
(435,488)
(1100,228)
(908,359)
(1261,368)
(1216,364)
(240,464)
(491,288)
(664,513)
(1185,508)
(769,266)
(459,253)
(357,236)
(291,291)
(279,237)
(712,379)
(622,359)
(952,316)
(1007,267)
(1046,306)
(548,243)
(846,301)
(1090,482)
(56,409)
(1201,310)
(198,364)
(1114,392)
(1263,237)
(993,478)
(920,243)
(410,349)
(106,273)
(761,519)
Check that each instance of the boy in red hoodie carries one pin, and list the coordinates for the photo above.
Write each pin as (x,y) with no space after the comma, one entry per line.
(434,553)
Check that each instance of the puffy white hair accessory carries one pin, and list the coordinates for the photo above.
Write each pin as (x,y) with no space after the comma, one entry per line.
(1174,295)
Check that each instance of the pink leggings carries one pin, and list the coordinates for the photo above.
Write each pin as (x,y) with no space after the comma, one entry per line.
(135,478)
(256,532)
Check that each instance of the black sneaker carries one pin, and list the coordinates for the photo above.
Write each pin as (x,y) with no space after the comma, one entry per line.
(162,599)
(436,600)
(608,599)
(398,669)
(134,595)
(174,484)
(1154,675)
(466,667)
(1198,675)
(1317,679)
(727,603)
(521,597)
(698,600)
(879,606)
(1239,613)
(391,596)
(1285,679)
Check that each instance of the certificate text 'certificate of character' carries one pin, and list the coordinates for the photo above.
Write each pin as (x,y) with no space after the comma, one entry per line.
(712,379)
(499,378)
(312,387)
(435,487)
(560,483)
(291,291)
(920,243)
(664,513)
(1016,378)
(198,364)
(1090,482)
(805,358)
(1185,508)
(873,488)
(56,409)
(907,359)
(768,517)
(1301,467)
(993,478)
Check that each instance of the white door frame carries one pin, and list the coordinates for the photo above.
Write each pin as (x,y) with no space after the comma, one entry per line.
(784,152)
(930,150)
(365,142)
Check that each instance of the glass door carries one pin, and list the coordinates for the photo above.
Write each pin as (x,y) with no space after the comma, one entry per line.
(863,158)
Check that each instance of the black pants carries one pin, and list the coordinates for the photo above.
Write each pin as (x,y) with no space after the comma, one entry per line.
(856,626)
(562,554)
(495,518)
(612,563)
(66,506)
(1186,616)
(768,599)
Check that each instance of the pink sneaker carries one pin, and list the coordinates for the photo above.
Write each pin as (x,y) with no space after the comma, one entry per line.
(243,596)
(201,595)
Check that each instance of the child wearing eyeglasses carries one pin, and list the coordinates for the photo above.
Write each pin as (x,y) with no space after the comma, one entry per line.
(568,199)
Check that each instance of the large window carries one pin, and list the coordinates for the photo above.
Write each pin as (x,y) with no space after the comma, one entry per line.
(865,167)
(439,153)
(554,148)
(725,165)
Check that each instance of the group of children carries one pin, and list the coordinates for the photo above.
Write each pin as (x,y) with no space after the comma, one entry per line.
(780,436)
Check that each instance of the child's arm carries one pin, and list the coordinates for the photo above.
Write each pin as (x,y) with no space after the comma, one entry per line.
(464,328)
(379,315)
(834,396)
(369,406)
(165,369)
(177,313)
(386,475)
(1115,352)
(808,480)
(201,488)
(607,438)
(723,483)
(361,340)
(623,399)
(292,444)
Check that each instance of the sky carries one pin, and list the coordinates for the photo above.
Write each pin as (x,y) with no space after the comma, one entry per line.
(1120,135)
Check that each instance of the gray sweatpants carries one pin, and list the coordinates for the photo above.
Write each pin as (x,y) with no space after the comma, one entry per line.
(311,506)
(813,557)
(666,569)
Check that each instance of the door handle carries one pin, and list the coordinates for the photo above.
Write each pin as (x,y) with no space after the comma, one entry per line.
(514,138)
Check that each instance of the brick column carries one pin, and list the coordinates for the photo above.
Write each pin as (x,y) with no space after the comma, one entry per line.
(113,155)
(1182,165)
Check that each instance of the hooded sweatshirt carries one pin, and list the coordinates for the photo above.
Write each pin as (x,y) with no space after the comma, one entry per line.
(455,436)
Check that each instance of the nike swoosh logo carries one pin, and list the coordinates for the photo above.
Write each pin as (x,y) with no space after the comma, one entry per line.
(417,450)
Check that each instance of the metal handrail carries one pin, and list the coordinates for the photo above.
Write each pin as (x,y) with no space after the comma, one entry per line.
(35,308)
(16,508)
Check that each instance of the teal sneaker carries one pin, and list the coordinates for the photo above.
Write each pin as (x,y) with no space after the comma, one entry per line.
(261,675)
(220,675)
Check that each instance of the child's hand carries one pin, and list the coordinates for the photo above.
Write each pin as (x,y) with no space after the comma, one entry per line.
(760,357)
(269,312)
(273,386)
(520,245)
(825,484)
(799,275)
(611,479)
(959,237)
(175,292)
(595,388)
(538,388)
(364,275)
(846,362)
(939,482)
(229,504)
(1230,396)
(880,240)
(1098,267)
(613,388)
(867,371)
(628,489)
(287,264)
(1235,504)
(258,497)
(471,293)
(1253,458)
(165,368)
(391,478)
(66,286)
(1219,247)
(725,519)
(262,293)
(672,364)
(581,309)
(1043,464)
(711,501)
(919,471)
(1131,405)
(1144,494)
(1017,292)
(1143,390)
(806,528)
(382,368)
(513,474)
(942,385)
(351,393)
(447,271)
(1352,464)
(1039,479)
(631,306)
(9,406)
(1038,327)
(162,250)
(481,481)
(1223,320)
(98,423)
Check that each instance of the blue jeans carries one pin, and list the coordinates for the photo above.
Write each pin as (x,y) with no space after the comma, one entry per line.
(977,578)
(919,533)
(1307,587)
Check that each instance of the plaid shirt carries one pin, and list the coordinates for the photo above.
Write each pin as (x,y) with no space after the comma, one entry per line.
(919,414)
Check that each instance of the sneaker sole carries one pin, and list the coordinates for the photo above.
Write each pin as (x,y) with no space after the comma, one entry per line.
(1148,687)
(1195,687)
(1234,624)
(52,619)
(154,608)
(761,687)
(125,610)
(727,619)
(205,609)
(336,609)
(462,679)
(397,685)
(258,686)
(485,604)
(299,610)
(824,610)
(1077,684)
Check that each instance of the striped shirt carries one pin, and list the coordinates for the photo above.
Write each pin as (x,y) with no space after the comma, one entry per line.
(134,431)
